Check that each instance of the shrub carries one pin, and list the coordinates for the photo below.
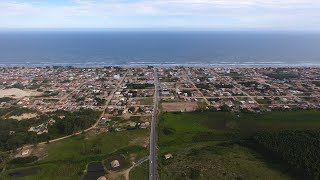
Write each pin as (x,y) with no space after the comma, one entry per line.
(23,160)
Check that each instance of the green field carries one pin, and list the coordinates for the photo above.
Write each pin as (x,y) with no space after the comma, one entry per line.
(68,158)
(205,145)
(140,172)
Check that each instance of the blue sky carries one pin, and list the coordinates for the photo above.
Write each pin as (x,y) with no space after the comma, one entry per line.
(297,15)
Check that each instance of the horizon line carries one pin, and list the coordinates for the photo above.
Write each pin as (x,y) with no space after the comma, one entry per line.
(84,29)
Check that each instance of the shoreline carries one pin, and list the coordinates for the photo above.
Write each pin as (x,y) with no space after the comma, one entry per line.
(168,64)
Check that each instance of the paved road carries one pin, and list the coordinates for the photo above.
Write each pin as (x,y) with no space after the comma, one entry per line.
(141,161)
(153,133)
(187,72)
(108,101)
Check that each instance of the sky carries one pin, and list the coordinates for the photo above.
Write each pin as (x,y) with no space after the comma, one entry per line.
(296,15)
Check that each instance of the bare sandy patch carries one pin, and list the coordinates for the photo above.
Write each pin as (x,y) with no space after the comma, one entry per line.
(179,106)
(145,118)
(133,157)
(113,175)
(24,116)
(141,141)
(39,150)
(126,116)
(17,93)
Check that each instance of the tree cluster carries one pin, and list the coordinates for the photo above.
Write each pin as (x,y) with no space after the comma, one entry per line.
(14,134)
(139,86)
(299,149)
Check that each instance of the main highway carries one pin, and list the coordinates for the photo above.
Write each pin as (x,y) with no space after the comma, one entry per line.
(153,133)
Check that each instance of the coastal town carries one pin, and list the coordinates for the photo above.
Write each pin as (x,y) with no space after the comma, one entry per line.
(122,94)
(240,89)
(45,90)
(125,96)
(43,101)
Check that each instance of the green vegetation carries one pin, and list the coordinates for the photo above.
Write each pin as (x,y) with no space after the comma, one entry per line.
(282,74)
(188,92)
(73,122)
(203,79)
(4,157)
(49,94)
(33,86)
(66,81)
(139,86)
(17,111)
(218,86)
(264,101)
(14,134)
(17,85)
(6,99)
(79,99)
(139,172)
(69,157)
(14,111)
(100,102)
(23,160)
(249,83)
(204,86)
(3,112)
(134,93)
(209,145)
(170,78)
(317,83)
(50,100)
(298,149)
(234,75)
(146,101)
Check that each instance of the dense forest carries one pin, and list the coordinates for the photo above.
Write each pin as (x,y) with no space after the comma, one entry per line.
(299,149)
(14,134)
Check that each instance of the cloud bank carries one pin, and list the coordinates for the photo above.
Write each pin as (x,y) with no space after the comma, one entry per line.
(206,14)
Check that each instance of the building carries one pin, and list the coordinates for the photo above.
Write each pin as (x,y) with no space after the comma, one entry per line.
(168,156)
(25,152)
(115,164)
(102,178)
(116,77)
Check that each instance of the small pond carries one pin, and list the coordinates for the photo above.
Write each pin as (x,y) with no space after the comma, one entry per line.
(95,170)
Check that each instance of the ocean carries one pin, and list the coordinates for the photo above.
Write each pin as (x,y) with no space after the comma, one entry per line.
(103,48)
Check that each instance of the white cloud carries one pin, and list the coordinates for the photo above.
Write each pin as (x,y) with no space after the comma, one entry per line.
(243,13)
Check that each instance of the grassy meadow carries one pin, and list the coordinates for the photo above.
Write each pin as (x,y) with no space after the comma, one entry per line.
(205,145)
(140,172)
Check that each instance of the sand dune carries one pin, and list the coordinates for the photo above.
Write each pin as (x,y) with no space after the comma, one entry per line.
(24,116)
(16,93)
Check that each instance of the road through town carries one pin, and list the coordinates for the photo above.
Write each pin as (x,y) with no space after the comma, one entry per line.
(153,133)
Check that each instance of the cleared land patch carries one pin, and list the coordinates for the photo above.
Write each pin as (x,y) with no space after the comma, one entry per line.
(17,93)
(179,106)
(24,116)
